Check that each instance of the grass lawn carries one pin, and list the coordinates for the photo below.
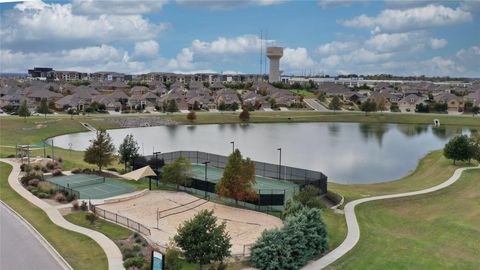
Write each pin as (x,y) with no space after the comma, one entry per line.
(336,228)
(112,231)
(80,251)
(303,93)
(432,231)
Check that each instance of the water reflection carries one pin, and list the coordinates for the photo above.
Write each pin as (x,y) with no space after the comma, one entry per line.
(345,152)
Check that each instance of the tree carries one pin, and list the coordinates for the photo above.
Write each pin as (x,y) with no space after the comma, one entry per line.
(234,106)
(101,151)
(128,150)
(334,104)
(475,110)
(273,103)
(475,144)
(172,106)
(179,172)
(244,115)
(238,178)
(43,107)
(368,106)
(191,116)
(322,96)
(196,106)
(202,240)
(222,107)
(381,105)
(458,148)
(23,110)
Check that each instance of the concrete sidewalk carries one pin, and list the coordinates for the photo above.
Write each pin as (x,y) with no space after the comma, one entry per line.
(353,235)
(115,259)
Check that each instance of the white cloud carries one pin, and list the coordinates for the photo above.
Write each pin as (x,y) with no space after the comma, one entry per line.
(337,47)
(391,20)
(336,3)
(222,45)
(37,26)
(296,59)
(117,6)
(148,48)
(408,41)
(438,43)
(227,4)
(183,60)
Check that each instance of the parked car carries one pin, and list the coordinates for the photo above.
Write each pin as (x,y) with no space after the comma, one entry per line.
(35,114)
(14,113)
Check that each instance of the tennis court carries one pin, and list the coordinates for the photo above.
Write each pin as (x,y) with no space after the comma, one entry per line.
(274,186)
(92,186)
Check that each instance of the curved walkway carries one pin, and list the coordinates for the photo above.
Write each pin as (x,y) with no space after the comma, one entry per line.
(114,256)
(353,234)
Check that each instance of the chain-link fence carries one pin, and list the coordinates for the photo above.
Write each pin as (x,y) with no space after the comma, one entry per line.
(105,214)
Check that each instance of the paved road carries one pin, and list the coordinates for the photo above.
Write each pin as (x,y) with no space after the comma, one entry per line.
(353,233)
(19,247)
(312,103)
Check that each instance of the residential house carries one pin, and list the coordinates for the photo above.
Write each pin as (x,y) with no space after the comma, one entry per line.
(454,103)
(409,103)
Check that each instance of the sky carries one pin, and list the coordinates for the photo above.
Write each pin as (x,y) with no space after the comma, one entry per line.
(432,38)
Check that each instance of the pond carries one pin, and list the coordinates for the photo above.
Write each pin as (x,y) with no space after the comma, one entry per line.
(346,152)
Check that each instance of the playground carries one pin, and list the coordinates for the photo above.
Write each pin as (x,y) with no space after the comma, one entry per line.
(90,186)
(164,211)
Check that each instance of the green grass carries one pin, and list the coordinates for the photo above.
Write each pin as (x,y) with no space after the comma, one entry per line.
(432,231)
(336,228)
(80,251)
(303,93)
(112,231)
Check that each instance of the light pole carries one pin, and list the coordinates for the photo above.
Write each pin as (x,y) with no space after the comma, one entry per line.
(280,163)
(156,170)
(233,146)
(205,187)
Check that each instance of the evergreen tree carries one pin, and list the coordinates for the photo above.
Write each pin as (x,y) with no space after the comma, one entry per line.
(23,110)
(368,106)
(172,106)
(202,240)
(238,178)
(179,172)
(43,108)
(128,150)
(102,151)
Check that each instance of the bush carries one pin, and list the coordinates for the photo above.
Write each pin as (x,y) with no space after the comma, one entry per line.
(44,169)
(33,175)
(59,197)
(57,172)
(75,204)
(134,262)
(334,197)
(50,165)
(60,160)
(11,156)
(46,187)
(26,168)
(84,206)
(43,195)
(76,170)
(92,217)
(71,197)
(172,259)
(36,167)
(112,169)
(130,252)
(33,182)
(87,170)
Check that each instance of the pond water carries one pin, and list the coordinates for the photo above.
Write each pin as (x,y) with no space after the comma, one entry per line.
(345,152)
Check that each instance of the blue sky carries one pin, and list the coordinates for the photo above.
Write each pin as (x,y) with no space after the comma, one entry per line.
(434,38)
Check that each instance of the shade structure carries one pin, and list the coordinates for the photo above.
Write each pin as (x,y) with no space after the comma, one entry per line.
(139,173)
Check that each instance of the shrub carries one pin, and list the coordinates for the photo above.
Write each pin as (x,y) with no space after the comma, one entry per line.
(75,204)
(43,195)
(172,259)
(57,172)
(112,169)
(76,170)
(59,197)
(46,187)
(87,170)
(33,175)
(70,197)
(11,156)
(33,182)
(36,167)
(26,168)
(128,252)
(33,190)
(60,160)
(134,262)
(92,217)
(84,206)
(44,169)
(50,165)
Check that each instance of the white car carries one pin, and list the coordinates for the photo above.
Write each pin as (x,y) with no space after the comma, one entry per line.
(35,114)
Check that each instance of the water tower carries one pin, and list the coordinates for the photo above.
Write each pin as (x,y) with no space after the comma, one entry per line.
(274,54)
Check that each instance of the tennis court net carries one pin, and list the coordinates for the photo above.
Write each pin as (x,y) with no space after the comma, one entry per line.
(86,182)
